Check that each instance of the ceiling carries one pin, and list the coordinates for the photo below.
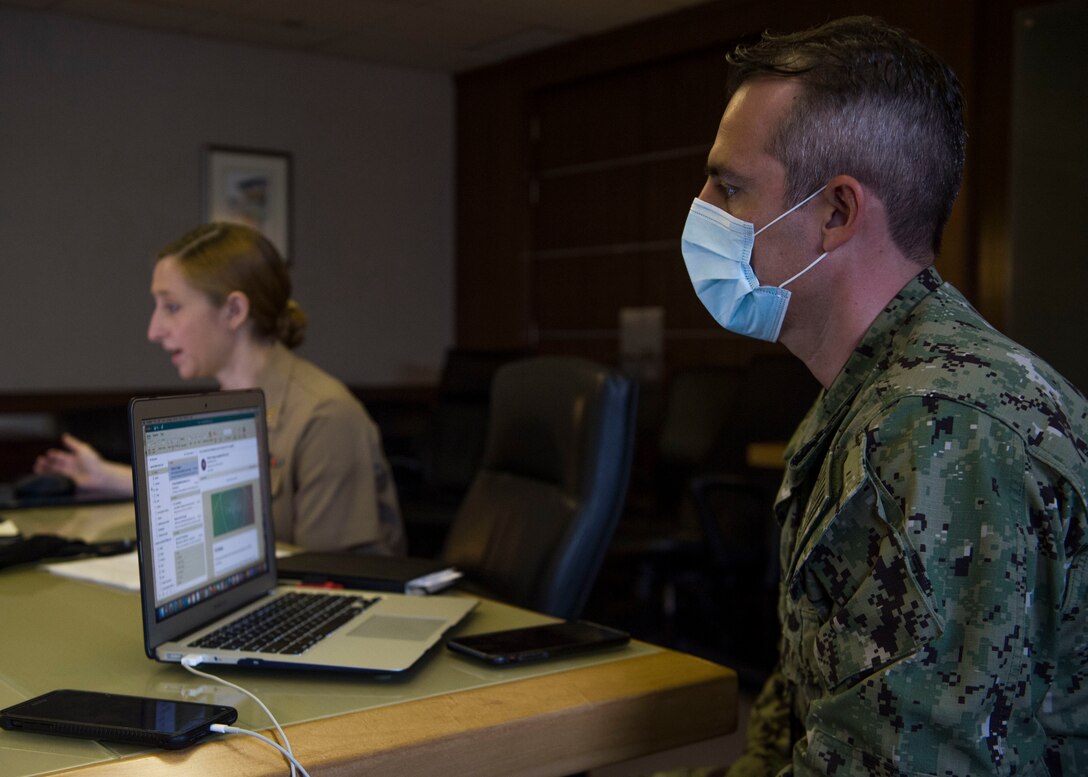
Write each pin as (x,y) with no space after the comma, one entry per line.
(443,35)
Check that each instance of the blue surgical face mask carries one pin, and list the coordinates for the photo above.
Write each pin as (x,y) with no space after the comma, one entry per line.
(717,249)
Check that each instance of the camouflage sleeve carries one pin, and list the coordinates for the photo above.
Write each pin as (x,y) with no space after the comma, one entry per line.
(767,740)
(929,602)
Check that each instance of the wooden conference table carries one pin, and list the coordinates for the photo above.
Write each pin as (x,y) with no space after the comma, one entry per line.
(448,716)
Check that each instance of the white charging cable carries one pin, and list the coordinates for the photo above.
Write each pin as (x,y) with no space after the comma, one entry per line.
(219,728)
(191,663)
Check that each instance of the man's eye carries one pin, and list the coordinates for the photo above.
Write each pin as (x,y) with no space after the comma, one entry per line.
(726,190)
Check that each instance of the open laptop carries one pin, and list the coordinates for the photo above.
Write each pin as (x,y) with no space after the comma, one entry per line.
(207,553)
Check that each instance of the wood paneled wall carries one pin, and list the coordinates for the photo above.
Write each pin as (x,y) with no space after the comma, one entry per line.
(576,167)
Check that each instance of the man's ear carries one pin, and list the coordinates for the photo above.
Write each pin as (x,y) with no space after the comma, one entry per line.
(236,309)
(848,201)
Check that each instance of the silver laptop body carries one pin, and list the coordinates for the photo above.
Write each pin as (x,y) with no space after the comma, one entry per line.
(207,547)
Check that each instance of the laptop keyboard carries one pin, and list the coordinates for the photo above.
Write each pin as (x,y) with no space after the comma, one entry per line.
(289,624)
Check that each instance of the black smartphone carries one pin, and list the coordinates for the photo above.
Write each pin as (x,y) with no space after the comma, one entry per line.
(113,717)
(536,643)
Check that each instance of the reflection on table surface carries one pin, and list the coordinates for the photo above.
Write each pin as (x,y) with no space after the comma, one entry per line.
(87,522)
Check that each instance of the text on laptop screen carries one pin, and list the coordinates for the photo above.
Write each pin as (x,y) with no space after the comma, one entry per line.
(204,499)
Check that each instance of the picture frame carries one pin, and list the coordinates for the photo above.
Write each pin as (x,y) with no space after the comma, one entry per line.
(249,186)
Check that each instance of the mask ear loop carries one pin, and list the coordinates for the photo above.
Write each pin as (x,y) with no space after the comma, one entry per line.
(815,262)
(775,220)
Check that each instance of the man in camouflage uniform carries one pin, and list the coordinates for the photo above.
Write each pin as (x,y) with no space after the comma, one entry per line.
(933,511)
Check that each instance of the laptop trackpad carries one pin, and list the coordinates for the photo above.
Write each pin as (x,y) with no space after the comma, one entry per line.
(394,627)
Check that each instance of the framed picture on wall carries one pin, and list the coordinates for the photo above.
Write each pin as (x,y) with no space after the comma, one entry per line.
(251,187)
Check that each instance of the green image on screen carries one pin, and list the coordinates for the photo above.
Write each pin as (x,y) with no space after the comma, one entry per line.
(231,510)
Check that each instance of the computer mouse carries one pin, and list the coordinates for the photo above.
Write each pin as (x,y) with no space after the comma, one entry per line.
(44,485)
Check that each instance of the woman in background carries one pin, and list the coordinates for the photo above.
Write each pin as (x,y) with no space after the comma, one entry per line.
(223,310)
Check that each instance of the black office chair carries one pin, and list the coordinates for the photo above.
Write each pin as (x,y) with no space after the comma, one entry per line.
(433,482)
(659,541)
(539,515)
(734,507)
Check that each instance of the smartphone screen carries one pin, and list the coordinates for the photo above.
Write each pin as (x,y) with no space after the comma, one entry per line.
(536,643)
(116,718)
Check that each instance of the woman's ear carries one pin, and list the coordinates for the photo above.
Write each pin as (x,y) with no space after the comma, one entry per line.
(236,310)
(848,200)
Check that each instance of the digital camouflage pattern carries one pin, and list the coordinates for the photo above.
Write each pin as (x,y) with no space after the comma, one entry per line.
(933,561)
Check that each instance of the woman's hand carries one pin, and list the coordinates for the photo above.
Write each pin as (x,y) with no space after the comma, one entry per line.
(86,467)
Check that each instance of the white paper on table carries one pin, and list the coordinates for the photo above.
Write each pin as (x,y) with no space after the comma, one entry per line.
(120,571)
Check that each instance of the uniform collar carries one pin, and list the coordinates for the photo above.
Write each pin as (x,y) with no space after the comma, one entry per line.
(870,358)
(273,380)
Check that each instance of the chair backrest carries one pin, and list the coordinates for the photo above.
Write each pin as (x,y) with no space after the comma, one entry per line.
(539,515)
(457,434)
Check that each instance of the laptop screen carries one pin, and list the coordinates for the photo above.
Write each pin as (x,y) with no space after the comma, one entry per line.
(204,506)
